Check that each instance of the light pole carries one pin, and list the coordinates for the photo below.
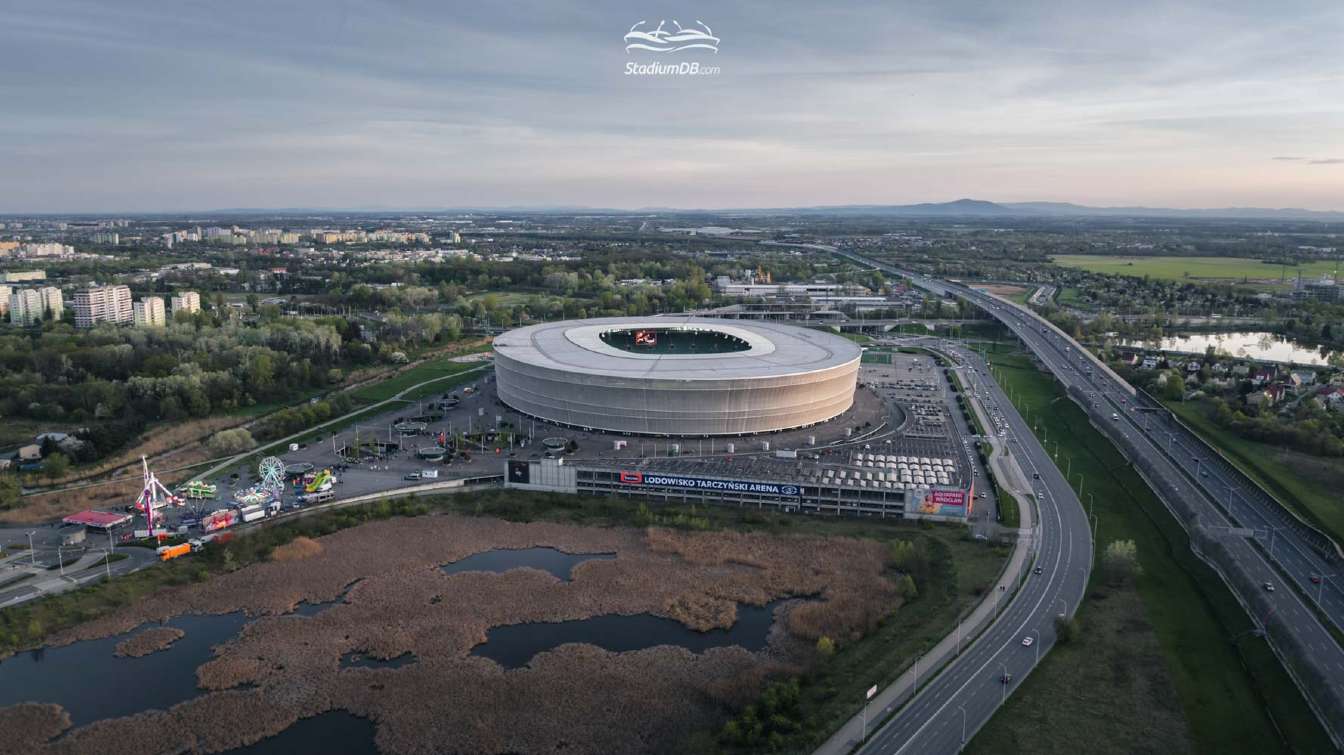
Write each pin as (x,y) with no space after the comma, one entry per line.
(1064,603)
(1005,680)
(60,559)
(107,563)
(32,554)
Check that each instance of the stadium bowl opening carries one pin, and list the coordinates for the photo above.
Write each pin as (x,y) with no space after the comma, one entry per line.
(676,376)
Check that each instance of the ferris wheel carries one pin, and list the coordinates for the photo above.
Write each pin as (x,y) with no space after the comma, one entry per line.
(271,470)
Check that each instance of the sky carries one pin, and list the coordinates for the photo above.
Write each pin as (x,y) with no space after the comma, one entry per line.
(135,106)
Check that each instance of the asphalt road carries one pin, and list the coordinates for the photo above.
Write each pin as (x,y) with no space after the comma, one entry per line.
(1151,436)
(1168,452)
(949,711)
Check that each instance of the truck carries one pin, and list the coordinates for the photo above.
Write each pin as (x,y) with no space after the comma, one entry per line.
(429,474)
(170,552)
(321,496)
(251,513)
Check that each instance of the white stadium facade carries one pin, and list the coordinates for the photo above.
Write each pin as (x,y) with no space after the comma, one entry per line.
(676,376)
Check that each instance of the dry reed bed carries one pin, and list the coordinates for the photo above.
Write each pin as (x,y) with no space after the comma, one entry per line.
(149,641)
(579,695)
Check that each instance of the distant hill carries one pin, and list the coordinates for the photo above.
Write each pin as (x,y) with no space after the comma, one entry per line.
(982,208)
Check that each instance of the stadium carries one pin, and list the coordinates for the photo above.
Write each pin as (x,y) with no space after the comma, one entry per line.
(676,376)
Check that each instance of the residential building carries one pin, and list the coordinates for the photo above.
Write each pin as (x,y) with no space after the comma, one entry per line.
(29,305)
(149,312)
(187,301)
(102,304)
(52,301)
(19,276)
(25,307)
(5,291)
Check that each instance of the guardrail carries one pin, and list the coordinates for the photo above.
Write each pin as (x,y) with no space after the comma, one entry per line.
(1324,543)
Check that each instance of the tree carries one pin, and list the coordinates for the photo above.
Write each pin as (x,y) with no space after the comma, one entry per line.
(826,646)
(230,442)
(1174,389)
(1120,562)
(1066,629)
(9,491)
(55,465)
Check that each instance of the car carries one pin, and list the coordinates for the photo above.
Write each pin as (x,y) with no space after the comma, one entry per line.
(1269,587)
(411,476)
(1037,570)
(1026,641)
(1315,579)
(1006,678)
(1035,475)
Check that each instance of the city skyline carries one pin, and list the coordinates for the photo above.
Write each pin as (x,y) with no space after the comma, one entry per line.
(145,108)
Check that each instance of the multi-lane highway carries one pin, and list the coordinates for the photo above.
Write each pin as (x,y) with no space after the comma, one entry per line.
(965,695)
(1266,545)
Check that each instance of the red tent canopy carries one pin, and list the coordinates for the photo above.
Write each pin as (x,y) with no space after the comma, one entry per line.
(99,519)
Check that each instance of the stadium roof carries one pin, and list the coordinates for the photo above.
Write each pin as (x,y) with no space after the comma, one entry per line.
(774,349)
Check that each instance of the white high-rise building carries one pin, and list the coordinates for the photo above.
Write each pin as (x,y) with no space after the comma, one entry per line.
(52,301)
(29,305)
(187,301)
(25,307)
(149,312)
(102,304)
(5,291)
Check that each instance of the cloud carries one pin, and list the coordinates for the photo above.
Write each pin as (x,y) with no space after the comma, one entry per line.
(342,102)
(1329,161)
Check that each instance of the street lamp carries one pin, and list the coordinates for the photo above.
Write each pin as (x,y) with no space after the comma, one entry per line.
(107,563)
(32,554)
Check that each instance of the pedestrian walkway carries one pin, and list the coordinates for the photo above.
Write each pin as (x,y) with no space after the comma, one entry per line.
(887,700)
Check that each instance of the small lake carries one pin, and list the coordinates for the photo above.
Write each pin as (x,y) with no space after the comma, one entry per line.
(1262,346)
(331,732)
(501,560)
(92,683)
(363,660)
(515,645)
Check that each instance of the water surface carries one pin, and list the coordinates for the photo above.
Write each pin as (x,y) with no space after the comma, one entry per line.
(1262,346)
(92,683)
(335,731)
(550,560)
(514,646)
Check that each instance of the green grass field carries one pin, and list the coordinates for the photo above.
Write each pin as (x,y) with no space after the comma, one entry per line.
(1308,483)
(437,368)
(1227,692)
(1232,269)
